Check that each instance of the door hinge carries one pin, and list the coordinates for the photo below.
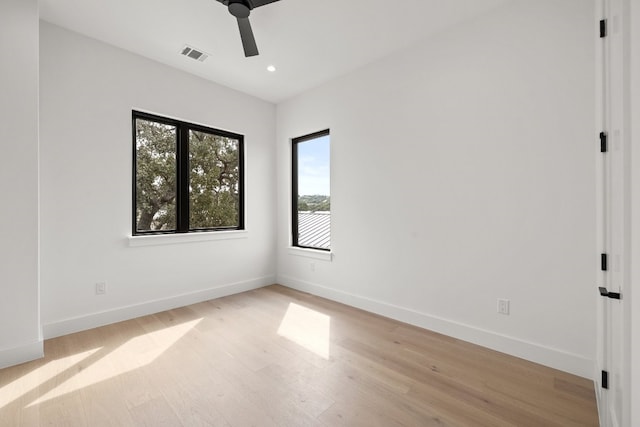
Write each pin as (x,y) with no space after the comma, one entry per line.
(603,28)
(605,293)
(605,380)
(603,142)
(603,262)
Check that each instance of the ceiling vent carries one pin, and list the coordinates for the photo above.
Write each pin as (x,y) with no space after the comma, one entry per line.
(194,53)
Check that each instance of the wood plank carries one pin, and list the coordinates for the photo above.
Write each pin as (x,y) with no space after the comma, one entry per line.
(227,362)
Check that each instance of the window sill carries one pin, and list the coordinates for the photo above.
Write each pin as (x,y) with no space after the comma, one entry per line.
(311,253)
(171,239)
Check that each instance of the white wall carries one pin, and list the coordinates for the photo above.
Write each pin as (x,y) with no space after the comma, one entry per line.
(88,90)
(634,300)
(20,337)
(462,172)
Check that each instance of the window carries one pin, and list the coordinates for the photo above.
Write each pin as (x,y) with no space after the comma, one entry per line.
(311,197)
(186,177)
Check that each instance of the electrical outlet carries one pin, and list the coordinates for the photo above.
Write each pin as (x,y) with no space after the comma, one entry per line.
(101,288)
(503,306)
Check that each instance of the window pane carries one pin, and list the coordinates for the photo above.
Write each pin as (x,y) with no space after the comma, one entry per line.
(214,181)
(155,176)
(313,197)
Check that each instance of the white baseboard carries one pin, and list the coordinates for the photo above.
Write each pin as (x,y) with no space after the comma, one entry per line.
(21,354)
(547,356)
(94,320)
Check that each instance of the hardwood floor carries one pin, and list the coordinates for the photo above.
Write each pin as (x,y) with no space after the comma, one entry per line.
(278,357)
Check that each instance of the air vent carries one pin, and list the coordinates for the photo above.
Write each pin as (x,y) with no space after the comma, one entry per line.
(194,53)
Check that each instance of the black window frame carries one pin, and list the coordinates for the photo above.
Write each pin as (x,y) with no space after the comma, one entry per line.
(182,174)
(294,186)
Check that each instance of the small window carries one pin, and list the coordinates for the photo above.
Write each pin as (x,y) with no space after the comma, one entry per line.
(311,201)
(186,177)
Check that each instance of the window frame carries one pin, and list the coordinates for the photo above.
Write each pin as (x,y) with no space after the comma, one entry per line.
(183,174)
(294,187)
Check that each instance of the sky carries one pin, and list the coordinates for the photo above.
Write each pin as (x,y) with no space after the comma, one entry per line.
(313,167)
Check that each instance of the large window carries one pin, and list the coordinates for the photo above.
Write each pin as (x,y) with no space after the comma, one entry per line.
(311,201)
(186,177)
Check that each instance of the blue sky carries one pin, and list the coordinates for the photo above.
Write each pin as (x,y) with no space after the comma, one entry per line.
(313,167)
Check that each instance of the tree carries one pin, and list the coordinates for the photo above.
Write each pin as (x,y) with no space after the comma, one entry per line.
(314,203)
(214,178)
(155,175)
(302,205)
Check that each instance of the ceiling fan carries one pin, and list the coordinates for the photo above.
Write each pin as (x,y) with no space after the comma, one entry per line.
(241,10)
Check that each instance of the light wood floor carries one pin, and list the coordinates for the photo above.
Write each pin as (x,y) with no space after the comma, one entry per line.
(278,357)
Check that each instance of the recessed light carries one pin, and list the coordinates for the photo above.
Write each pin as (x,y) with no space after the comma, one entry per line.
(271,68)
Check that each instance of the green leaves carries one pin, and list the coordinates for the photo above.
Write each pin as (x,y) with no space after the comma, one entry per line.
(314,203)
(155,176)
(214,180)
(213,172)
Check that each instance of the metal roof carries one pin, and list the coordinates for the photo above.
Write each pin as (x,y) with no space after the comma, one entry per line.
(314,229)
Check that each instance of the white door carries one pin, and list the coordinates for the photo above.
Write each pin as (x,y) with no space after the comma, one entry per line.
(613,213)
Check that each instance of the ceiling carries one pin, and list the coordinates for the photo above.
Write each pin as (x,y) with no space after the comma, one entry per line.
(308,41)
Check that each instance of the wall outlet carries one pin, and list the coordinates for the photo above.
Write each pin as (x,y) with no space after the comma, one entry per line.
(503,306)
(101,288)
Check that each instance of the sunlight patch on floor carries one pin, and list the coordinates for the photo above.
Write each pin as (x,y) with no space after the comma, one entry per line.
(307,328)
(133,354)
(39,376)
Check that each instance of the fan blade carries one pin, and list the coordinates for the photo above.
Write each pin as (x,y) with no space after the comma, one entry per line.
(258,3)
(246,34)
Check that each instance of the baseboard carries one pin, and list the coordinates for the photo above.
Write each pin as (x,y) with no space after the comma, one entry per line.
(94,320)
(547,356)
(21,354)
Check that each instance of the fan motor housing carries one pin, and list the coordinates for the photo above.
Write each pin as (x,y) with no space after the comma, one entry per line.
(239,9)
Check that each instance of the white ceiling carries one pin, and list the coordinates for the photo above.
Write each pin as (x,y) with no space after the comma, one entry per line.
(309,41)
